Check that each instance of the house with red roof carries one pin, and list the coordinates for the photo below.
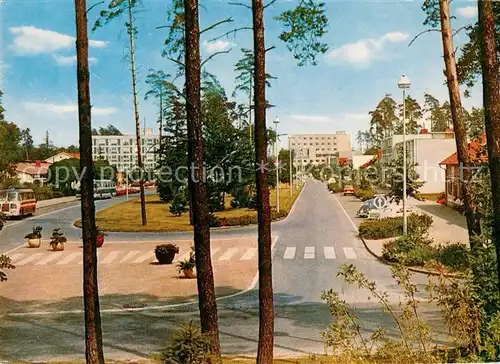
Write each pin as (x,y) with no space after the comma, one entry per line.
(453,174)
(32,172)
(62,156)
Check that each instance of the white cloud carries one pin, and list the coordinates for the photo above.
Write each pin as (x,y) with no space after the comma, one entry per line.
(29,40)
(69,60)
(467,11)
(312,118)
(355,116)
(217,46)
(43,108)
(363,52)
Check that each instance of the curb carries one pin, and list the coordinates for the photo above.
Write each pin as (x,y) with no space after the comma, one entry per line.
(411,269)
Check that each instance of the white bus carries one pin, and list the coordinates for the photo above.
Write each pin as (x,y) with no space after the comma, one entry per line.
(17,202)
(104,188)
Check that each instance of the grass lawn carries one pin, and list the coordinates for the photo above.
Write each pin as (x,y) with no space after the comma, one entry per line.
(126,216)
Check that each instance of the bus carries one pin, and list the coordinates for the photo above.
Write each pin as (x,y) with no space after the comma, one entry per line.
(16,202)
(103,188)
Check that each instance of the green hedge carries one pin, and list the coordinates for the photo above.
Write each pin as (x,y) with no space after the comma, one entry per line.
(364,194)
(243,220)
(391,227)
(334,188)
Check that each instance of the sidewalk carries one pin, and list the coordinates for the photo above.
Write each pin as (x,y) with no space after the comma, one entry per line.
(55,201)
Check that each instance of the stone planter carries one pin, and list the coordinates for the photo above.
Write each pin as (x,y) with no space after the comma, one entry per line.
(58,247)
(34,243)
(165,258)
(100,240)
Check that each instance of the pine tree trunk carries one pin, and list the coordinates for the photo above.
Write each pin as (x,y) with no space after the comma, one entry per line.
(196,183)
(491,102)
(136,112)
(458,119)
(160,131)
(93,332)
(266,307)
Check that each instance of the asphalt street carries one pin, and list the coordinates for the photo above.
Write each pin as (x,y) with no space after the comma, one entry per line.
(312,243)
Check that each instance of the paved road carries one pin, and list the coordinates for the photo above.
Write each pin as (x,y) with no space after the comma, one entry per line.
(312,244)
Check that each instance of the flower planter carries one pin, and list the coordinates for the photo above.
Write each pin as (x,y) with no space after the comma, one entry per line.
(189,273)
(165,258)
(58,247)
(34,243)
(100,240)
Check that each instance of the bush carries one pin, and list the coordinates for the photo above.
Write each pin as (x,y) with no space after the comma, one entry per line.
(179,204)
(455,256)
(165,192)
(166,249)
(409,250)
(213,221)
(334,188)
(363,194)
(189,346)
(391,227)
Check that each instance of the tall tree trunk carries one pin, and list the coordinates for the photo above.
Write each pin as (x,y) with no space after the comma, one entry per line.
(196,184)
(136,112)
(93,332)
(458,118)
(266,307)
(491,102)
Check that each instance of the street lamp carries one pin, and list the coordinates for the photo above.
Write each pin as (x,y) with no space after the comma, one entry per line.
(404,83)
(290,165)
(276,122)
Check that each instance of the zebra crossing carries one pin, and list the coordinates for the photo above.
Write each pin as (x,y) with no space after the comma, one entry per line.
(222,255)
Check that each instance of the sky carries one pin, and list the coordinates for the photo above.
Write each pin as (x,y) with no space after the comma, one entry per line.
(368,53)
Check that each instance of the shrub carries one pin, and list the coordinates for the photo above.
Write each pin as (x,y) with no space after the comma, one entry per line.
(391,227)
(455,256)
(179,204)
(363,194)
(409,250)
(188,345)
(165,192)
(334,188)
(166,249)
(213,221)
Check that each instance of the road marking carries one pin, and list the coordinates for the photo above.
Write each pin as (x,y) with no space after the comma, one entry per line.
(289,252)
(69,258)
(345,212)
(249,254)
(228,254)
(15,257)
(350,253)
(30,259)
(329,252)
(130,255)
(213,252)
(142,258)
(309,252)
(110,257)
(50,258)
(184,256)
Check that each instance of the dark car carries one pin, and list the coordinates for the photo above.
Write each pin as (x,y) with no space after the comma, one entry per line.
(365,209)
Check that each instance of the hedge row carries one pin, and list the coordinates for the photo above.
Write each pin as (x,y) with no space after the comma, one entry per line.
(391,227)
(242,220)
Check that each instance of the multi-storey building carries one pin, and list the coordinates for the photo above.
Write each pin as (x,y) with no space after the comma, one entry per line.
(319,148)
(121,150)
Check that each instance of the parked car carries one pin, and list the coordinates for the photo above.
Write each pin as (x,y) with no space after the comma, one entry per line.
(365,209)
(348,190)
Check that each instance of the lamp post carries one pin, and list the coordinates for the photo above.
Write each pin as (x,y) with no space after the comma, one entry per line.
(276,122)
(404,83)
(290,165)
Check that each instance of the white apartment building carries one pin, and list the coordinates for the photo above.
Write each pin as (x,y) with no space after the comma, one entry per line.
(319,148)
(121,150)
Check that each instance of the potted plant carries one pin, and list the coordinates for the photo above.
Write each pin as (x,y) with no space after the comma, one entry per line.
(187,266)
(35,237)
(57,240)
(100,237)
(165,253)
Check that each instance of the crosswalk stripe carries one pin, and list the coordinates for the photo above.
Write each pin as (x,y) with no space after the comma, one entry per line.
(110,257)
(228,254)
(213,252)
(184,256)
(69,258)
(309,252)
(350,253)
(30,259)
(143,257)
(130,255)
(329,252)
(15,257)
(289,252)
(249,254)
(50,258)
